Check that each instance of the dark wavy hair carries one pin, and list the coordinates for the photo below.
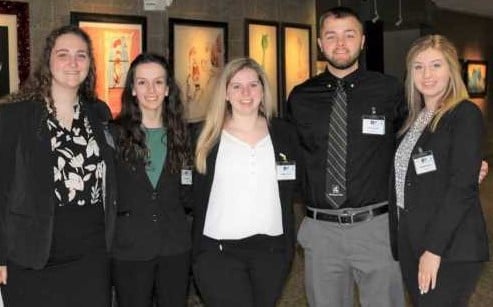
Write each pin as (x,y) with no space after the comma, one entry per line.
(131,137)
(38,86)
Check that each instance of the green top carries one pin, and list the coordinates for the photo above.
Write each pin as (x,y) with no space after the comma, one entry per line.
(155,139)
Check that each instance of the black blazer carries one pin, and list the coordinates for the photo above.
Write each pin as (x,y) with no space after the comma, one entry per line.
(27,203)
(284,140)
(442,208)
(150,222)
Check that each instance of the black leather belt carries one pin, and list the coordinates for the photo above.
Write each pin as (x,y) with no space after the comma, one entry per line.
(347,217)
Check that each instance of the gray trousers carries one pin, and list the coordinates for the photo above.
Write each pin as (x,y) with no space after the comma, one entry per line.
(337,256)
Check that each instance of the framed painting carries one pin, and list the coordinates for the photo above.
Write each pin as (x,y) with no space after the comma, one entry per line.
(14,45)
(262,45)
(476,73)
(198,52)
(117,40)
(320,67)
(296,55)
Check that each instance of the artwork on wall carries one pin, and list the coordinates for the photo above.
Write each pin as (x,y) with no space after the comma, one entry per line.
(4,62)
(14,44)
(476,78)
(117,40)
(320,67)
(261,44)
(296,56)
(198,52)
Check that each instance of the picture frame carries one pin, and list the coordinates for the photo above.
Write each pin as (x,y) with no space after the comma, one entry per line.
(198,53)
(296,55)
(262,44)
(476,78)
(117,40)
(15,52)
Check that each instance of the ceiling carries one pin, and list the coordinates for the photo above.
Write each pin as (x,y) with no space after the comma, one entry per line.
(479,7)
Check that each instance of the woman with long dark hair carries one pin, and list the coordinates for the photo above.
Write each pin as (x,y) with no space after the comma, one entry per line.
(152,238)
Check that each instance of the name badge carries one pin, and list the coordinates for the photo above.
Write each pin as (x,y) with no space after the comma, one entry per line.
(424,162)
(373,124)
(286,170)
(186,177)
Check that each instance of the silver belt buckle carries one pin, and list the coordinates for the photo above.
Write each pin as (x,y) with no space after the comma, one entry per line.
(346,214)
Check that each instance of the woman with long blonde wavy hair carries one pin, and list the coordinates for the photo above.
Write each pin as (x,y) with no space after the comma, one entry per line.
(436,217)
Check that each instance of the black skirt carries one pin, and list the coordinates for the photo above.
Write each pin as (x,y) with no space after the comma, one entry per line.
(78,283)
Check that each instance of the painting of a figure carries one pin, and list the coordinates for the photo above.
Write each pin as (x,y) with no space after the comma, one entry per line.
(116,40)
(198,54)
(115,46)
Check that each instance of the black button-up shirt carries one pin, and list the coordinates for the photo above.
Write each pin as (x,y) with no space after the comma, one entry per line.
(369,157)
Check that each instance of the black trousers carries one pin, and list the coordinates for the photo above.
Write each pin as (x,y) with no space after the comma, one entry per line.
(241,273)
(80,283)
(163,279)
(456,281)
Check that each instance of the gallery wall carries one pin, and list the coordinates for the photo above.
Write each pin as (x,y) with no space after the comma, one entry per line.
(469,32)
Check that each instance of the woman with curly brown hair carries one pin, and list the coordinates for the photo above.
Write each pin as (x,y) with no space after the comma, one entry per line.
(152,237)
(56,194)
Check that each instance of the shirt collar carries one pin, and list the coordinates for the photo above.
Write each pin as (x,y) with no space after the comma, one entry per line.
(350,81)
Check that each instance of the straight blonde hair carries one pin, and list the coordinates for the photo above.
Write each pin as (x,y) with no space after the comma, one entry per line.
(455,92)
(219,108)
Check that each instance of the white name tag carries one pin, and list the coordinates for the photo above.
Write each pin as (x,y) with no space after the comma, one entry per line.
(186,177)
(424,163)
(286,170)
(373,124)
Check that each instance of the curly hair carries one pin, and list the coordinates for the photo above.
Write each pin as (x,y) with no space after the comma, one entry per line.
(38,86)
(131,137)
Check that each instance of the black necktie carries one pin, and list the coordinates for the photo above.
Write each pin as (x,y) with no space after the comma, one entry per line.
(335,189)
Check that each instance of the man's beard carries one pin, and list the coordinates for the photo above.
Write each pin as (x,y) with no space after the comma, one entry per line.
(343,64)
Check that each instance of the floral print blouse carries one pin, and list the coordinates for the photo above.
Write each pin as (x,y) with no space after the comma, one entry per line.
(79,167)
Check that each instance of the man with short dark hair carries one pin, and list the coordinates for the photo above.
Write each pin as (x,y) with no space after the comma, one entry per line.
(347,119)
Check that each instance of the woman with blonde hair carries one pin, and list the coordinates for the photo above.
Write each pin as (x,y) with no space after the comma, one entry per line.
(243,233)
(438,228)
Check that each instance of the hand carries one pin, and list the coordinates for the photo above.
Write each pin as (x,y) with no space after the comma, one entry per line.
(3,274)
(428,271)
(483,171)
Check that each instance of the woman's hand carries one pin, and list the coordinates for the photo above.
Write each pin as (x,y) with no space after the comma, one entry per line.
(428,271)
(483,171)
(3,274)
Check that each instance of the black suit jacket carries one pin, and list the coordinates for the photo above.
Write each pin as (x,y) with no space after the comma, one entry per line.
(150,221)
(26,181)
(442,208)
(284,140)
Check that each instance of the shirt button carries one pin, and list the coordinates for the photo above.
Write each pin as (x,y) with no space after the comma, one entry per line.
(154,218)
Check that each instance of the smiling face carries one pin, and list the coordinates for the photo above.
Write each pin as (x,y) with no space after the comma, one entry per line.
(341,41)
(431,74)
(150,87)
(245,92)
(69,62)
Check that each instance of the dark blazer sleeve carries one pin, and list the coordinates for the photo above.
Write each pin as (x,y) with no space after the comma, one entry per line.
(8,140)
(463,188)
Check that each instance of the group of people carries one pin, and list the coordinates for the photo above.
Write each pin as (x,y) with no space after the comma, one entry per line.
(88,204)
